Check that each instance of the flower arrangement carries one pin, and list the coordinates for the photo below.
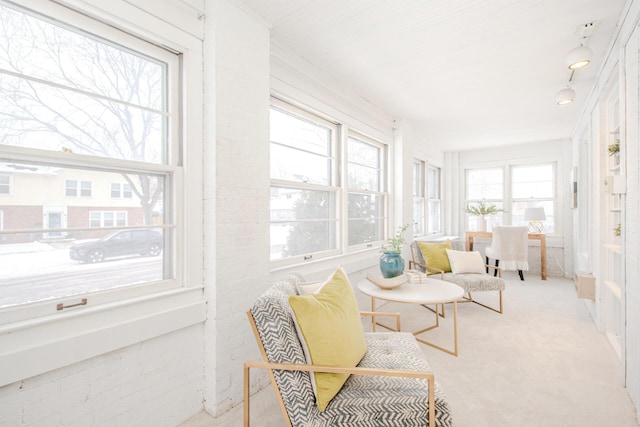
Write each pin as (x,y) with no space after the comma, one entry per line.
(483,209)
(394,244)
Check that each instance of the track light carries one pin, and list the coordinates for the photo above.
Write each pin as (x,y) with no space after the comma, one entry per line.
(578,57)
(565,96)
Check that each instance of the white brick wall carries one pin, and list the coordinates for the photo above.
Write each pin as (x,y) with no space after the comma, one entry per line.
(237,193)
(158,382)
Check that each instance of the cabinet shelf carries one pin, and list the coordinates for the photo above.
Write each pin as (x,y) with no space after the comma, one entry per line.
(614,248)
(614,288)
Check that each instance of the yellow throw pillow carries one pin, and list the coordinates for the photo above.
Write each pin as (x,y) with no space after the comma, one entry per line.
(328,324)
(435,255)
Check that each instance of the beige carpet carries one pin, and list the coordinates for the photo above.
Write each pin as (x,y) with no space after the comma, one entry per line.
(541,363)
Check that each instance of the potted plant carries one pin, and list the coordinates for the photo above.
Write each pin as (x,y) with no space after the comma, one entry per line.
(482,210)
(391,261)
(614,149)
(617,231)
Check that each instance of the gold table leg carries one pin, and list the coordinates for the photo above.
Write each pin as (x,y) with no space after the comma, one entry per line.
(437,324)
(455,332)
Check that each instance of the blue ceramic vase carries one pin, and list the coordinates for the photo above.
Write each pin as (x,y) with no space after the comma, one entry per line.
(391,264)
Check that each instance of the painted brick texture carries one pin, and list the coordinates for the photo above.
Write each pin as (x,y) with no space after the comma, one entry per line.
(158,382)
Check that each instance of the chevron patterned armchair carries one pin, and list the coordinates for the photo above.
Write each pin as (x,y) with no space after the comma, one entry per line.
(391,386)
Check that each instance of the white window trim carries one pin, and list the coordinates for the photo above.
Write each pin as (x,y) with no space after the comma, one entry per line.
(91,330)
(422,165)
(10,193)
(382,192)
(331,187)
(507,199)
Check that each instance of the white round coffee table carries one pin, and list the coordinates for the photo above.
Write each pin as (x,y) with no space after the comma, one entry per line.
(430,291)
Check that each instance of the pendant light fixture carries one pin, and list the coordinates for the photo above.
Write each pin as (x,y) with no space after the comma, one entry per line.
(578,57)
(565,96)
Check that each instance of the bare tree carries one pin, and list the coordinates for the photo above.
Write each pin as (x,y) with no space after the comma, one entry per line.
(62,89)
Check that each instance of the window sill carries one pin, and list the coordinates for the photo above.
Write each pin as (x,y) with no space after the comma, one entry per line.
(83,334)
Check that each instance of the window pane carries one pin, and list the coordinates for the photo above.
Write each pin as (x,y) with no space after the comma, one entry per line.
(302,221)
(85,189)
(418,180)
(297,132)
(103,100)
(518,213)
(418,216)
(435,217)
(473,222)
(364,165)
(37,270)
(365,218)
(5,184)
(115,190)
(71,188)
(364,178)
(364,154)
(36,250)
(290,239)
(299,166)
(485,184)
(365,230)
(434,183)
(532,181)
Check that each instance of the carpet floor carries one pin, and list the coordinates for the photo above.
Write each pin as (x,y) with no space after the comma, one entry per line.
(540,364)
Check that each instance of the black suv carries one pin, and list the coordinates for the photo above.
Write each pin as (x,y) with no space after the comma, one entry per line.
(119,243)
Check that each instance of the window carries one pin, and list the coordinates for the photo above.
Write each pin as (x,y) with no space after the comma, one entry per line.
(107,219)
(435,201)
(485,185)
(366,190)
(5,184)
(77,188)
(528,186)
(418,198)
(81,111)
(316,211)
(119,190)
(304,196)
(533,186)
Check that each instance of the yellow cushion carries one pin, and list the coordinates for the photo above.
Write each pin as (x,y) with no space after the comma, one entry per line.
(435,254)
(330,330)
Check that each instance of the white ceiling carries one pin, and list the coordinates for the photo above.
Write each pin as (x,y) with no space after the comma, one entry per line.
(465,73)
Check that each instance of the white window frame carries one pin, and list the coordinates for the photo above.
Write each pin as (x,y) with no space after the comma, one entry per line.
(381,192)
(26,333)
(507,200)
(553,199)
(331,187)
(79,188)
(115,215)
(9,186)
(339,187)
(434,200)
(500,202)
(419,197)
(123,189)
